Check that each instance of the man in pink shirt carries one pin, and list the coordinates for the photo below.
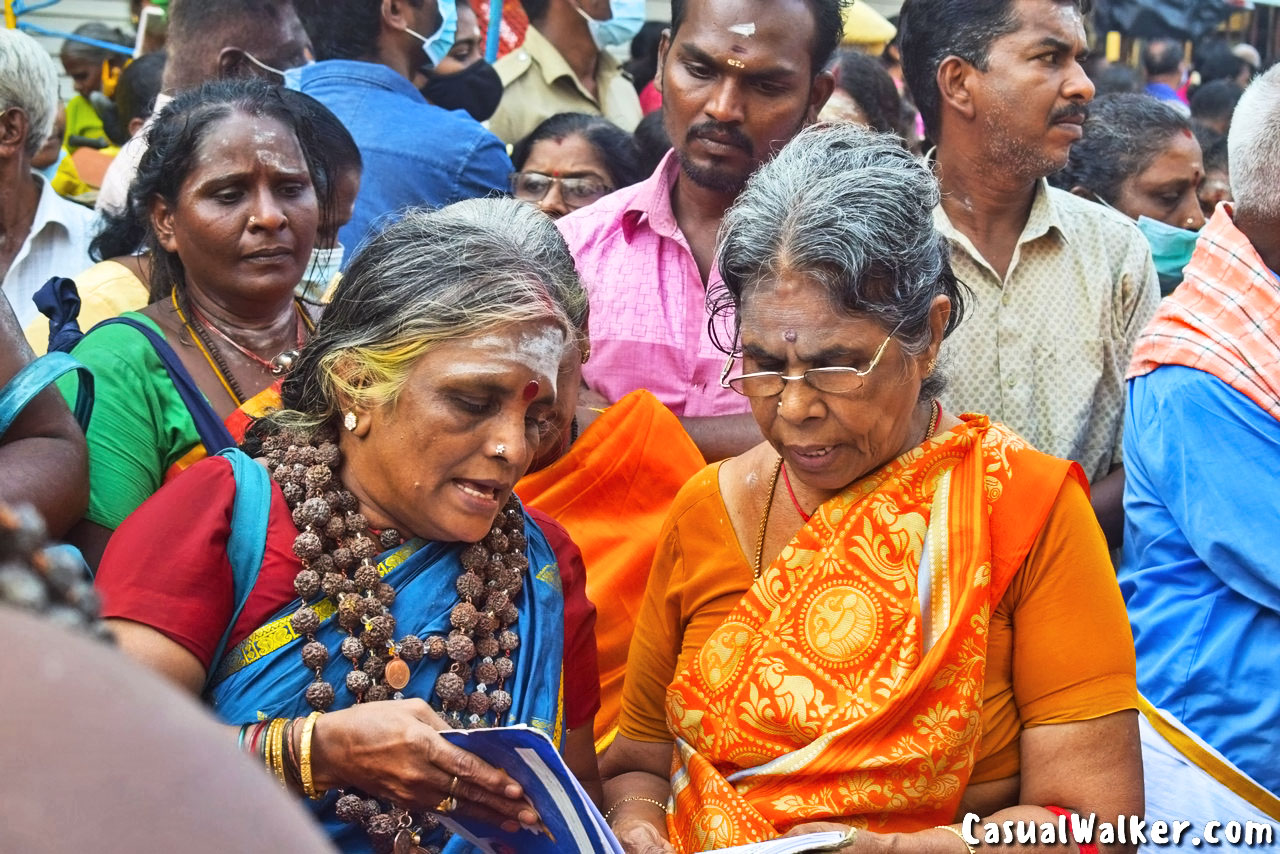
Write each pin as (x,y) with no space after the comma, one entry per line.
(738,78)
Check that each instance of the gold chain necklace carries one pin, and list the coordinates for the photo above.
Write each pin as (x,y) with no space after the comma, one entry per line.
(764,520)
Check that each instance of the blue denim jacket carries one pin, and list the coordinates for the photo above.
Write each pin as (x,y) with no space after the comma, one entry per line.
(414,152)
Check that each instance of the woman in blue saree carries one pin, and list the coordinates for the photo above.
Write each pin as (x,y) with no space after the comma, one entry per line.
(397,587)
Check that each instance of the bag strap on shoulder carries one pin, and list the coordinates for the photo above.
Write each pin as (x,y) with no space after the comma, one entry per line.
(38,375)
(248,541)
(213,433)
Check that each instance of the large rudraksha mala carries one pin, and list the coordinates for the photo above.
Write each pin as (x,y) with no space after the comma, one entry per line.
(337,548)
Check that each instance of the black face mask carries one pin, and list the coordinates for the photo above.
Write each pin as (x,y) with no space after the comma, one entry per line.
(476,89)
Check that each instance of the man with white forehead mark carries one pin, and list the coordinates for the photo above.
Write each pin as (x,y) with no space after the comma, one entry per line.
(739,78)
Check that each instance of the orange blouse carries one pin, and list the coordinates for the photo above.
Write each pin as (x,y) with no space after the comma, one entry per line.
(1060,648)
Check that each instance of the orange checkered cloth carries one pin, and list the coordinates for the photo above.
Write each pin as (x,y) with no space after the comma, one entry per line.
(1224,319)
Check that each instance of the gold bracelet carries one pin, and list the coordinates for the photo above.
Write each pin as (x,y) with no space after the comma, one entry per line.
(959,835)
(266,746)
(617,804)
(304,762)
(277,750)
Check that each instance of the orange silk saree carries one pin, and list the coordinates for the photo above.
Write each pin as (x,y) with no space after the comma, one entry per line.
(846,685)
(611,492)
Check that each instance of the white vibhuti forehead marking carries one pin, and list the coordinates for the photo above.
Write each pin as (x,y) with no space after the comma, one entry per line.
(746,30)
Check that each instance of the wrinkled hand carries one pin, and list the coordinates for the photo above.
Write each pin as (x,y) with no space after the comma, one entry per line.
(393,751)
(864,842)
(638,836)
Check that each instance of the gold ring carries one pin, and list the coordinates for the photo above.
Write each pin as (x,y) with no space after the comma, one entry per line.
(448,805)
(453,787)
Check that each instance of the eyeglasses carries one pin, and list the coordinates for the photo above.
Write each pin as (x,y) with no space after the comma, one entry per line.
(576,192)
(833,380)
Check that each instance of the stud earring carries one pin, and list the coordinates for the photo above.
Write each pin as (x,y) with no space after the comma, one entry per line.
(350,421)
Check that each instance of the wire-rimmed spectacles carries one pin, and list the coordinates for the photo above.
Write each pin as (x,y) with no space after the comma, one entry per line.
(577,192)
(832,380)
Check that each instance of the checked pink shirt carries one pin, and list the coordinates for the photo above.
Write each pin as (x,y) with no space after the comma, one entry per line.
(648,302)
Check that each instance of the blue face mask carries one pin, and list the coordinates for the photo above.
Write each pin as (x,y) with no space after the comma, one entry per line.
(628,18)
(1171,249)
(437,46)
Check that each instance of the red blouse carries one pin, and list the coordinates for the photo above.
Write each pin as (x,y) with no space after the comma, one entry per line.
(180,535)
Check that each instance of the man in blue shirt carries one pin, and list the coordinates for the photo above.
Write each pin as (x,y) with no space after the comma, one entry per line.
(1166,69)
(1201,572)
(415,153)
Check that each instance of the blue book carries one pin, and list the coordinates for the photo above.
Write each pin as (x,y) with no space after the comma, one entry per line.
(572,822)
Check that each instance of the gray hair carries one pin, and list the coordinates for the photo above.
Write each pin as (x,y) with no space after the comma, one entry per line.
(851,210)
(28,81)
(525,229)
(1253,147)
(430,278)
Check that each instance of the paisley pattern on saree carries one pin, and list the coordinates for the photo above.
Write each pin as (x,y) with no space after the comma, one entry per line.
(818,698)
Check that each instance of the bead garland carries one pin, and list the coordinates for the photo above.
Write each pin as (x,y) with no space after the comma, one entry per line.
(337,547)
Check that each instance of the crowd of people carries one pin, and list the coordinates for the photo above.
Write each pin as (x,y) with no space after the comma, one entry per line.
(805,428)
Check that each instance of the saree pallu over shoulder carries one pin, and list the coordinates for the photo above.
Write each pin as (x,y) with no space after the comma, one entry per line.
(263,676)
(846,685)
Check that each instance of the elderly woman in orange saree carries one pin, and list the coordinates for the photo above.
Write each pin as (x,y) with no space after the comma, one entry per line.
(884,617)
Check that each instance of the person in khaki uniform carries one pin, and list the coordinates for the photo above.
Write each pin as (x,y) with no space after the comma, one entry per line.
(563,66)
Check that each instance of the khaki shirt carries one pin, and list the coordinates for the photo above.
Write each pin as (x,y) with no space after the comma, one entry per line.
(1045,350)
(538,83)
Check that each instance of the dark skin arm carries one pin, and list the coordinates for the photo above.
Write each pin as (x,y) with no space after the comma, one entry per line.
(43,454)
(1107,497)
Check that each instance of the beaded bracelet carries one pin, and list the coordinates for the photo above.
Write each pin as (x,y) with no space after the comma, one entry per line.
(304,766)
(617,804)
(959,835)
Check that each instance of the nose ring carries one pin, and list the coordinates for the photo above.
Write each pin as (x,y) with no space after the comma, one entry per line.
(253,220)
(500,450)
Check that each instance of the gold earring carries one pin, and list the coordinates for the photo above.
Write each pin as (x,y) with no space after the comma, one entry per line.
(350,421)
(933,365)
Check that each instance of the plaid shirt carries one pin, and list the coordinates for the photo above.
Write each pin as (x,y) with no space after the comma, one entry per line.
(1224,319)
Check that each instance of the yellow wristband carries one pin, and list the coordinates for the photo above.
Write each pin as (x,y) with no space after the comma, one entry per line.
(304,762)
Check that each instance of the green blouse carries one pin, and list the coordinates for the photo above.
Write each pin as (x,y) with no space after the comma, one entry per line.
(140,425)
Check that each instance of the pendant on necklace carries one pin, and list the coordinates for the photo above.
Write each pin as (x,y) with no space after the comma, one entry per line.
(406,842)
(396,674)
(284,363)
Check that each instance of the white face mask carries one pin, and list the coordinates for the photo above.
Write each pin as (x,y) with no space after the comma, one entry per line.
(325,265)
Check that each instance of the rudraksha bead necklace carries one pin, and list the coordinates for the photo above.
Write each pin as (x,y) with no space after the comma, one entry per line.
(337,547)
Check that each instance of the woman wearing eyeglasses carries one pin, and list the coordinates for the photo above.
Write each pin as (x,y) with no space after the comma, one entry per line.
(572,160)
(885,616)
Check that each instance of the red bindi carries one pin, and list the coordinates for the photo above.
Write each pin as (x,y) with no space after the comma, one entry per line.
(531,390)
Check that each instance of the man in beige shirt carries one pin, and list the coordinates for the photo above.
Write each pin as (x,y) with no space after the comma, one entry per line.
(563,66)
(1061,286)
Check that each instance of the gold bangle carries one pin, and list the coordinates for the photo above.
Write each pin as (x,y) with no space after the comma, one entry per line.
(959,835)
(629,798)
(304,762)
(267,745)
(277,750)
